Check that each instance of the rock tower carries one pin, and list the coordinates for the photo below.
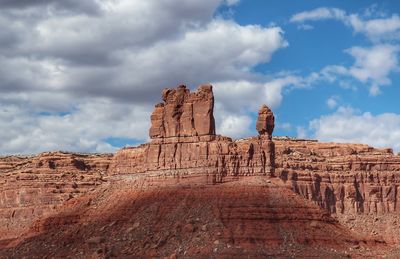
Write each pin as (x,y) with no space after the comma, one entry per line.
(184,142)
(265,122)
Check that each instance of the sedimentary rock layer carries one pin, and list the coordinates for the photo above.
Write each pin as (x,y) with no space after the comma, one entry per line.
(252,217)
(342,178)
(184,142)
(31,187)
(212,156)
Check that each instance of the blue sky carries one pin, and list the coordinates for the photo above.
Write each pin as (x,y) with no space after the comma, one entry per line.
(315,44)
(85,75)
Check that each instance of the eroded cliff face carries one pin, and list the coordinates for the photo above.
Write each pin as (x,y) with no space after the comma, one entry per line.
(211,156)
(183,113)
(183,142)
(32,187)
(342,178)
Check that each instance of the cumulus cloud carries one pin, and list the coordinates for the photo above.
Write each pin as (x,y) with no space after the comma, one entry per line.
(238,100)
(74,74)
(372,66)
(376,29)
(348,125)
(235,126)
(84,129)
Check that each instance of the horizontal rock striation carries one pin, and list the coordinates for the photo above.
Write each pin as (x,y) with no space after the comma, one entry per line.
(342,178)
(212,156)
(253,217)
(184,142)
(31,187)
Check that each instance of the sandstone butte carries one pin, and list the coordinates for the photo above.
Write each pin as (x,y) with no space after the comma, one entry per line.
(190,193)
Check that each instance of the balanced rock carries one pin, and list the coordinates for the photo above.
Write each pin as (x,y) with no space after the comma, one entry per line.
(184,114)
(266,121)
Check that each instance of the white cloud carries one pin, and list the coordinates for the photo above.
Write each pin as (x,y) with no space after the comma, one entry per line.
(376,29)
(347,125)
(104,75)
(85,129)
(237,96)
(319,14)
(237,100)
(373,65)
(332,102)
(235,126)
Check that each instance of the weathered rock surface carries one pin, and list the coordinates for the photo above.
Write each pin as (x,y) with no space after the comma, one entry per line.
(211,156)
(342,178)
(265,121)
(251,217)
(184,142)
(183,113)
(31,187)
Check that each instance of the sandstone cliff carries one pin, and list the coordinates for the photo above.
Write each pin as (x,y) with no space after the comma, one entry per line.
(183,113)
(342,178)
(184,142)
(31,187)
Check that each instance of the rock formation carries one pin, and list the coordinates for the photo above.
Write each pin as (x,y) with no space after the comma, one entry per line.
(184,142)
(264,192)
(342,178)
(265,121)
(31,187)
(183,113)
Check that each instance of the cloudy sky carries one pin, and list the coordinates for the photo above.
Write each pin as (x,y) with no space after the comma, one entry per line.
(84,75)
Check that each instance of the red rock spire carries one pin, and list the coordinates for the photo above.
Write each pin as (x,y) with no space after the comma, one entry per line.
(266,121)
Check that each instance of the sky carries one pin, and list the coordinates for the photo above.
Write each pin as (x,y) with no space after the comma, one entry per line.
(84,76)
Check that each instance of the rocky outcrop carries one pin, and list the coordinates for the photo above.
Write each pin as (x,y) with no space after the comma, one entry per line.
(265,121)
(183,113)
(342,178)
(31,187)
(184,142)
(214,157)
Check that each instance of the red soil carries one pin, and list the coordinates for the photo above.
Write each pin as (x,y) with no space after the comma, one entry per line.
(249,217)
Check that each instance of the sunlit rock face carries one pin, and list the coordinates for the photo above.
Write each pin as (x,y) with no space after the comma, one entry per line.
(184,114)
(183,142)
(265,121)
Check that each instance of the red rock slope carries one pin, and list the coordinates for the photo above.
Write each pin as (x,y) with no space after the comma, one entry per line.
(249,217)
